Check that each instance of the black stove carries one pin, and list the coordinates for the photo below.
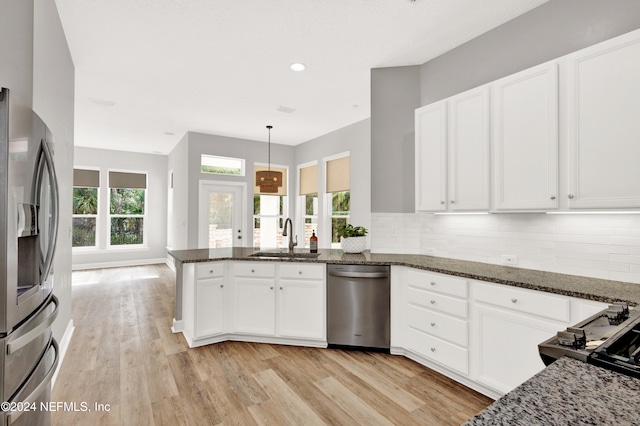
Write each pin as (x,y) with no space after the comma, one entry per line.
(609,339)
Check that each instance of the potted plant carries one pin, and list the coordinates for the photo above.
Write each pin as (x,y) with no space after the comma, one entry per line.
(353,238)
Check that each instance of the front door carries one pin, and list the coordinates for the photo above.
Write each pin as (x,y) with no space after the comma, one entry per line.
(220,214)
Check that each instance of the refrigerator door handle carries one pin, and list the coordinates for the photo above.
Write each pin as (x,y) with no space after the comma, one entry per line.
(47,156)
(12,416)
(20,340)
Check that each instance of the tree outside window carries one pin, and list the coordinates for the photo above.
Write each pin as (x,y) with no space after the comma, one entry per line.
(127,192)
(340,214)
(85,214)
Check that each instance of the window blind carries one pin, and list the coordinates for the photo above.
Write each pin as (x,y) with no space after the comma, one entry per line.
(309,180)
(83,178)
(338,175)
(127,180)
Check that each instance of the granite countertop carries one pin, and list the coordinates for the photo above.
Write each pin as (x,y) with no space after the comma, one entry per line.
(568,392)
(569,285)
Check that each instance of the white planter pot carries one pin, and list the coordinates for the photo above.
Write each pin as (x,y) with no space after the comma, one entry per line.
(353,244)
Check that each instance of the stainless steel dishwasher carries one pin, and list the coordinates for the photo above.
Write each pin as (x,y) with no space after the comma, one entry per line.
(358,303)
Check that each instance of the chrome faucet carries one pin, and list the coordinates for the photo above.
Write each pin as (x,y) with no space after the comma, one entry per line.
(284,234)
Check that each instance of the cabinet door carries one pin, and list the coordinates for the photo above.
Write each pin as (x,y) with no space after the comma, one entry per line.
(254,306)
(209,307)
(431,157)
(469,150)
(603,124)
(301,309)
(507,347)
(525,139)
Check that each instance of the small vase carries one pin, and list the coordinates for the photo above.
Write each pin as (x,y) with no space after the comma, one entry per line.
(353,244)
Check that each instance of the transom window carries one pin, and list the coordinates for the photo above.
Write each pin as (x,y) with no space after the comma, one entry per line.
(221,165)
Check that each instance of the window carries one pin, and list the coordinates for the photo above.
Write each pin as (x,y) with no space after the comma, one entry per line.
(309,202)
(127,193)
(221,165)
(338,195)
(269,213)
(85,207)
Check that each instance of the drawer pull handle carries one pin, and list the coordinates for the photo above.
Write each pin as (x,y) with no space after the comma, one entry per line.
(433,283)
(433,302)
(514,300)
(433,324)
(433,349)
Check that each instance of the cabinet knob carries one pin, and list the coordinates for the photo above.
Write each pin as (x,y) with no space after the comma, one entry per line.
(221,285)
(570,196)
(270,288)
(239,237)
(253,270)
(433,302)
(453,201)
(433,324)
(553,197)
(300,272)
(442,202)
(433,283)
(280,288)
(433,349)
(514,300)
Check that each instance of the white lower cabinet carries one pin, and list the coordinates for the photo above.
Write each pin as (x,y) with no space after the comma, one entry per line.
(209,307)
(282,300)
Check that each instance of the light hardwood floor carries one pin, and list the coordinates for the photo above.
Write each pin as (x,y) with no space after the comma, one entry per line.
(123,354)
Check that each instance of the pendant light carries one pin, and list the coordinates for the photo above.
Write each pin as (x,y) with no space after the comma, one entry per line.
(269,181)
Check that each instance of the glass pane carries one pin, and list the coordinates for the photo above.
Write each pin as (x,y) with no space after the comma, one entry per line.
(85,200)
(267,233)
(221,165)
(84,232)
(127,201)
(220,220)
(311,204)
(256,205)
(340,203)
(337,223)
(126,230)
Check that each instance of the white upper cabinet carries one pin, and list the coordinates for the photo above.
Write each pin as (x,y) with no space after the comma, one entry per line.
(452,153)
(525,139)
(431,157)
(468,134)
(603,118)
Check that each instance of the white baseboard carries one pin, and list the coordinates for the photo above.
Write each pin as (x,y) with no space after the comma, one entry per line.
(63,346)
(170,261)
(177,326)
(117,264)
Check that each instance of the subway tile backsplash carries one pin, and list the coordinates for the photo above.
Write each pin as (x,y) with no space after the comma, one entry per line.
(596,245)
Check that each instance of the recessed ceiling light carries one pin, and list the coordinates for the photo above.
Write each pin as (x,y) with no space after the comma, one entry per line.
(102,102)
(298,67)
(169,133)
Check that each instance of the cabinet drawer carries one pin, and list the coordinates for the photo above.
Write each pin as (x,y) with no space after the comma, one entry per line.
(249,269)
(302,271)
(440,325)
(437,282)
(438,350)
(209,270)
(438,302)
(526,301)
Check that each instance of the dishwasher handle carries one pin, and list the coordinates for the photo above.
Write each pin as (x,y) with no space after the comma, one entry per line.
(359,274)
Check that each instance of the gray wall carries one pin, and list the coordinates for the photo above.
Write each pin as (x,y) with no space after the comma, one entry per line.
(178,162)
(156,207)
(16,45)
(356,139)
(200,143)
(395,95)
(554,29)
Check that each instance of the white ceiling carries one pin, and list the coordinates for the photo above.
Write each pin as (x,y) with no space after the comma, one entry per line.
(145,68)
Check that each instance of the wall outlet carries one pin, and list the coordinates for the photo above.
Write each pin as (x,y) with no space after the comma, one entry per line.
(509,259)
(429,251)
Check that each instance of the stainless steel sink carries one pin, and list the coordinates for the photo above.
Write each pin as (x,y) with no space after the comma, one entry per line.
(286,255)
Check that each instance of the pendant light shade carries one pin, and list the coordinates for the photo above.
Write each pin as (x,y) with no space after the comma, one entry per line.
(269,180)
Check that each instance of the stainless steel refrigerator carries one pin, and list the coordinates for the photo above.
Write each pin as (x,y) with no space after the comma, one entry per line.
(28,233)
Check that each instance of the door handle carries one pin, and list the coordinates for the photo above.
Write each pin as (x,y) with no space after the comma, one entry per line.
(20,340)
(45,160)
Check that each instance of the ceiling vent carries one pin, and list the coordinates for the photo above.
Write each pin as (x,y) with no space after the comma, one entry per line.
(101,102)
(286,110)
